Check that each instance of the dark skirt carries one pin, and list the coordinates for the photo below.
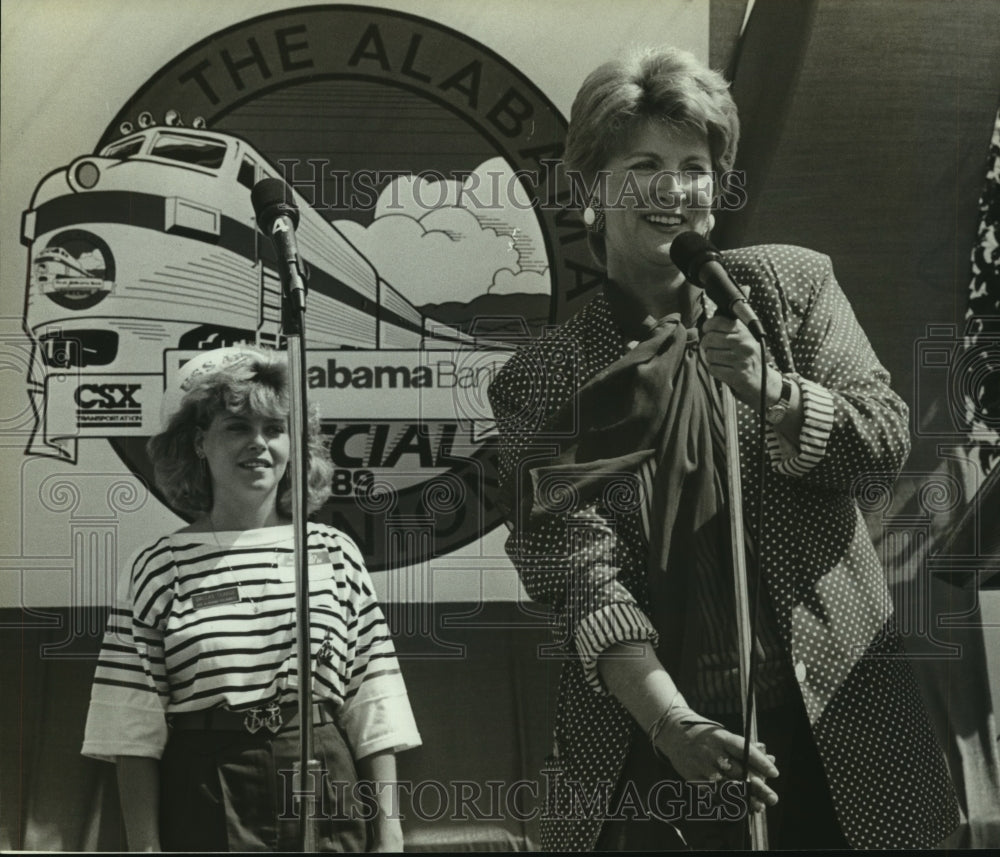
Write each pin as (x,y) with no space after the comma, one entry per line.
(232,791)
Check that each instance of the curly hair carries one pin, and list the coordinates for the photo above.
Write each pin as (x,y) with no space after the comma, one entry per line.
(663,84)
(256,385)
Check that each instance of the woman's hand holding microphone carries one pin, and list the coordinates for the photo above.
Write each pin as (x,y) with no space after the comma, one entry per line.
(732,356)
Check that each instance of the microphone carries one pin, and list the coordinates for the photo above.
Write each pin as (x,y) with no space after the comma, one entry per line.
(277,217)
(701,263)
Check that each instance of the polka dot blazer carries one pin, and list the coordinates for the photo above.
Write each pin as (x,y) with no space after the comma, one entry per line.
(886,771)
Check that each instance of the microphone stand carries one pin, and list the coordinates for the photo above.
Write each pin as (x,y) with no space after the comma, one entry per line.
(744,639)
(703,265)
(305,782)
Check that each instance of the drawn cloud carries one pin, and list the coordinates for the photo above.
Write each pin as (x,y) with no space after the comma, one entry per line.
(507,282)
(441,240)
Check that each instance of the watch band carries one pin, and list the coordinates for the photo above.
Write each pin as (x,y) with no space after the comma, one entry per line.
(776,413)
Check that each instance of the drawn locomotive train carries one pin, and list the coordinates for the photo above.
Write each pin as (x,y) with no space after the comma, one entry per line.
(151,245)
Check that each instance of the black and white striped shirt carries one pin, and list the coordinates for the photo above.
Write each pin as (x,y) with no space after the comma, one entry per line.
(207,620)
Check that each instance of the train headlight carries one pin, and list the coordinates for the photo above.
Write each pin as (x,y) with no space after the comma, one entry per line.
(126,128)
(172,118)
(86,174)
(145,119)
(198,122)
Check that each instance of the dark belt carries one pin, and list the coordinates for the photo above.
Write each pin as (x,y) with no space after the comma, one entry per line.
(273,717)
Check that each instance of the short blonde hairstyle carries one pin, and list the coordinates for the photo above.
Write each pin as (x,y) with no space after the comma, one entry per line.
(665,85)
(254,386)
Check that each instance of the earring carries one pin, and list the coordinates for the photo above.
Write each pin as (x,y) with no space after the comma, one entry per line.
(711,224)
(593,216)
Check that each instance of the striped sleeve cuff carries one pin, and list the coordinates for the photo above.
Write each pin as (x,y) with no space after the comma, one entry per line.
(620,622)
(817,423)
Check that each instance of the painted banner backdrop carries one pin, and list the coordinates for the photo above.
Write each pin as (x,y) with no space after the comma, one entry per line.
(436,227)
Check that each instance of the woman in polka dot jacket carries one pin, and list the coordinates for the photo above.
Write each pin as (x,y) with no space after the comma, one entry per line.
(648,739)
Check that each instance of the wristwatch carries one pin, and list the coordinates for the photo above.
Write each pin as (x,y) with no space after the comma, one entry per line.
(776,413)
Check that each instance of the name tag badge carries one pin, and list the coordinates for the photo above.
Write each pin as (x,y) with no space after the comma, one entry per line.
(316,557)
(229,595)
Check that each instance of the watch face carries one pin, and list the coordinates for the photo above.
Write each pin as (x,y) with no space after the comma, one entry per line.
(776,412)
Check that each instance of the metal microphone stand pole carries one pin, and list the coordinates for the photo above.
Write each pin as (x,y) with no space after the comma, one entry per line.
(757,820)
(306,784)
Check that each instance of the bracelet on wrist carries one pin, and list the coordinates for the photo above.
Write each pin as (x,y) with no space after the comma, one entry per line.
(657,726)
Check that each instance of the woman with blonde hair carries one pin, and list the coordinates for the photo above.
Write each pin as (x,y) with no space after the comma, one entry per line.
(194,697)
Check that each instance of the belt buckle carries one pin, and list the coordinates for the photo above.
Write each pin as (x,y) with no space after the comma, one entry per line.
(258,717)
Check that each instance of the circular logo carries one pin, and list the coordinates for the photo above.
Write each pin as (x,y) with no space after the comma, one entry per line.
(436,230)
(75,270)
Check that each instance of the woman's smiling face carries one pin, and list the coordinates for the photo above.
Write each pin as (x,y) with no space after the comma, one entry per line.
(247,455)
(658,186)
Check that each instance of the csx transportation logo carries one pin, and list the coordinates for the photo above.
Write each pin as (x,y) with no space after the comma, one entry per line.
(113,406)
(436,235)
(108,397)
